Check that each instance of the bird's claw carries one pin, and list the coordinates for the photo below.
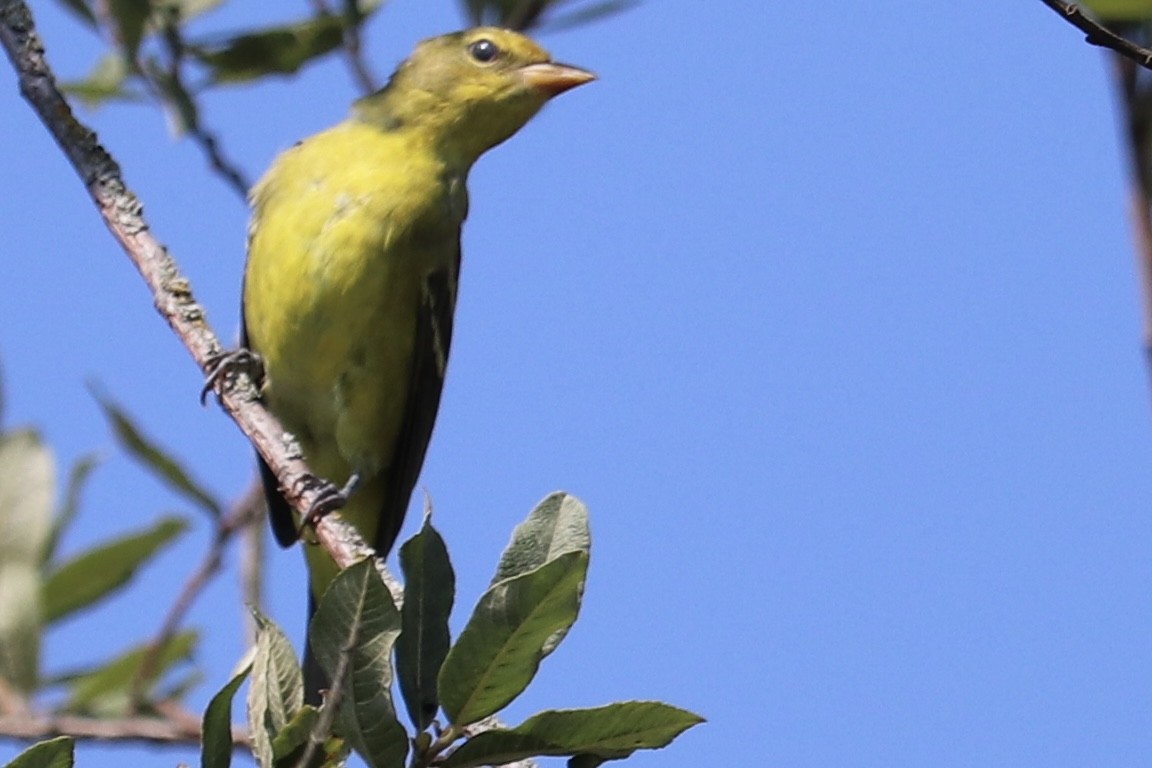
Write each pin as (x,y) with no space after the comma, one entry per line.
(235,360)
(328,499)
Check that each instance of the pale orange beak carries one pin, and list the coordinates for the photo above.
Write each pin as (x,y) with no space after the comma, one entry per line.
(553,79)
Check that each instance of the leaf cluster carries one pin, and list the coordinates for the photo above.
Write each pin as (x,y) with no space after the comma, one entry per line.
(365,642)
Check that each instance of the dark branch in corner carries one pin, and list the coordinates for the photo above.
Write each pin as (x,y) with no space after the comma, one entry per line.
(1097,34)
(171,291)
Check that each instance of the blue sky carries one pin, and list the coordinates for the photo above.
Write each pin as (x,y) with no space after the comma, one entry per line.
(827,311)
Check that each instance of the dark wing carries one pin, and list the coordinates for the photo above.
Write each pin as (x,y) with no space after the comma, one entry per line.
(429,360)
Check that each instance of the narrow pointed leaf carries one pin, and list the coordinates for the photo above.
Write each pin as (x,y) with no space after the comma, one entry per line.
(216,742)
(107,690)
(500,649)
(27,491)
(353,632)
(429,590)
(279,50)
(54,753)
(610,732)
(99,572)
(77,479)
(152,456)
(277,690)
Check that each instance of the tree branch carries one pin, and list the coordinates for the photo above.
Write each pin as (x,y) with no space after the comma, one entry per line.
(1097,34)
(149,730)
(172,295)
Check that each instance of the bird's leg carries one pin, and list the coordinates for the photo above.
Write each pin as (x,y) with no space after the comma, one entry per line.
(234,361)
(328,499)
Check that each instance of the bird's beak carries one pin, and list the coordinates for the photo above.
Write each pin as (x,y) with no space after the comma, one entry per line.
(553,79)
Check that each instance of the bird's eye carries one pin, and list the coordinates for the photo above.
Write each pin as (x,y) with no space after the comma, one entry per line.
(484,51)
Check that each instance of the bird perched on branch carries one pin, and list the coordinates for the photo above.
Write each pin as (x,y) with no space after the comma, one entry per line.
(353,260)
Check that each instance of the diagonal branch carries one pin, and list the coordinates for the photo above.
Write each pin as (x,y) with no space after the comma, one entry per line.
(172,295)
(1097,34)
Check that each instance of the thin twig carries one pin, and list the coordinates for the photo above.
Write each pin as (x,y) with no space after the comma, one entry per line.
(204,138)
(149,730)
(239,517)
(172,296)
(1097,34)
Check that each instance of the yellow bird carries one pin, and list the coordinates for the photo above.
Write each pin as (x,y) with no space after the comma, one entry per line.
(353,259)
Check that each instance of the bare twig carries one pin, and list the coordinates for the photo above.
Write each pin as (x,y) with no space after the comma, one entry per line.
(1097,34)
(239,517)
(171,291)
(149,730)
(193,125)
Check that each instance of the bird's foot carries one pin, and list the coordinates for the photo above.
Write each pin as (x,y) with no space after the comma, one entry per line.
(328,499)
(233,361)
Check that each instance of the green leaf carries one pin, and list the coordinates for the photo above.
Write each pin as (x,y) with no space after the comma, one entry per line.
(352,634)
(216,742)
(500,649)
(1120,10)
(155,458)
(610,732)
(77,479)
(275,50)
(106,82)
(290,742)
(277,690)
(429,590)
(54,753)
(107,691)
(27,491)
(557,525)
(130,17)
(97,573)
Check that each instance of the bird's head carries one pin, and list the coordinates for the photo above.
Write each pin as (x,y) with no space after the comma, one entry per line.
(471,90)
